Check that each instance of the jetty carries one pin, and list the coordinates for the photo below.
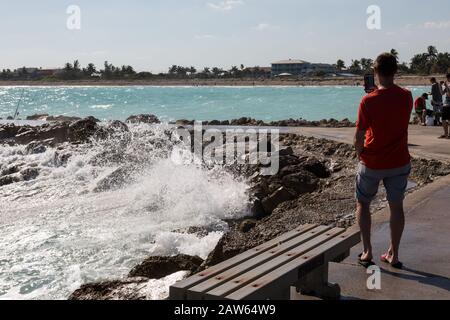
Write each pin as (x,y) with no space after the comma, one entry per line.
(425,247)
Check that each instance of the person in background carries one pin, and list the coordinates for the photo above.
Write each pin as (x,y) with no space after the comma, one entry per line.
(436,102)
(420,106)
(446,108)
(381,143)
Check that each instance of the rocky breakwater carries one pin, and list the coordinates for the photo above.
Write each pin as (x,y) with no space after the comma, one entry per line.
(59,134)
(331,123)
(315,184)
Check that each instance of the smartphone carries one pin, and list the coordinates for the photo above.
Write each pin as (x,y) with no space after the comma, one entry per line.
(369,83)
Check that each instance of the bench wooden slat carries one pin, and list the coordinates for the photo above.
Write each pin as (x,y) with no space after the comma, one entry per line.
(197,292)
(271,285)
(178,290)
(258,272)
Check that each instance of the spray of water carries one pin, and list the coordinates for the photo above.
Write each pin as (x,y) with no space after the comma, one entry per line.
(96,210)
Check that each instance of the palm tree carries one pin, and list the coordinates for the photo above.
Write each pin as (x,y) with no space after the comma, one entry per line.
(356,66)
(192,70)
(216,71)
(394,53)
(173,69)
(366,64)
(340,65)
(90,69)
(76,66)
(432,52)
(68,67)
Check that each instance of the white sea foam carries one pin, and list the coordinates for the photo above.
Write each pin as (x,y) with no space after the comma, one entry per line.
(58,234)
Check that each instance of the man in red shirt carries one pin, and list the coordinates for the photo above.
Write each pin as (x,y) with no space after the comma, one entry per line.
(420,105)
(381,143)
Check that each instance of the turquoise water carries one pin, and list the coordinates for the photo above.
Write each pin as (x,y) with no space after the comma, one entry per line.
(200,103)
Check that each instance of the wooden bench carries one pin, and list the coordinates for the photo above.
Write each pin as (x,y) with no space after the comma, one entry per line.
(298,259)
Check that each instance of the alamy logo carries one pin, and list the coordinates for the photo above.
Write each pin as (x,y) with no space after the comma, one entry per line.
(374,19)
(74,18)
(374,280)
(234,146)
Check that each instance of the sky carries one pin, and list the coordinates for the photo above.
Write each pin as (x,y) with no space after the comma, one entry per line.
(152,35)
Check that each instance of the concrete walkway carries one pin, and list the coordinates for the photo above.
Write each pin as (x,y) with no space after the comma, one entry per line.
(425,248)
(423,140)
(425,251)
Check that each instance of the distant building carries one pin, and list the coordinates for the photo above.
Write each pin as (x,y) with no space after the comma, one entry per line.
(33,73)
(299,67)
(46,72)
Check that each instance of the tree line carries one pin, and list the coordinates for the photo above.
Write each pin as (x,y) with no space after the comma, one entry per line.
(430,62)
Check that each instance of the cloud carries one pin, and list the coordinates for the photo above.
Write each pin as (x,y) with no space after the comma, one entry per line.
(437,25)
(225,5)
(204,36)
(265,27)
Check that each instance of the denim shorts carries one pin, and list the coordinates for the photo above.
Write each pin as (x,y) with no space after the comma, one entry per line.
(395,181)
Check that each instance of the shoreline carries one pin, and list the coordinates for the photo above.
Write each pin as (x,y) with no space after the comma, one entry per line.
(311,82)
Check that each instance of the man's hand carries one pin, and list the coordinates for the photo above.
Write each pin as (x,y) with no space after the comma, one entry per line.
(359,142)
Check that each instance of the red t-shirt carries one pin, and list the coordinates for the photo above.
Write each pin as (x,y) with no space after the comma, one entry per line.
(384,115)
(420,104)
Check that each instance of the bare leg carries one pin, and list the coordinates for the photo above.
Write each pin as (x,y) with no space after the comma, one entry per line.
(397,228)
(445,125)
(424,117)
(365,224)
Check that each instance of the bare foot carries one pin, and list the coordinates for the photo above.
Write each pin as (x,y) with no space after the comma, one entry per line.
(367,256)
(389,258)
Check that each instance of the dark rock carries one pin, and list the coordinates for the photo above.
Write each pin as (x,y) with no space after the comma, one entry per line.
(286,151)
(144,118)
(38,117)
(184,122)
(160,267)
(111,290)
(316,167)
(119,125)
(10,179)
(8,131)
(300,182)
(94,119)
(257,209)
(115,180)
(35,147)
(275,199)
(61,159)
(29,174)
(9,118)
(82,130)
(10,170)
(247,225)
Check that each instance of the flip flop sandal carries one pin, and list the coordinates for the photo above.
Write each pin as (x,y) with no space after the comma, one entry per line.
(443,137)
(365,263)
(397,265)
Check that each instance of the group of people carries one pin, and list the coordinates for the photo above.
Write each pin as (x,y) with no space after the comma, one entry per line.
(440,114)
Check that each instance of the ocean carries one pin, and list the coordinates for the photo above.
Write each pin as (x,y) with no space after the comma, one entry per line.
(192,103)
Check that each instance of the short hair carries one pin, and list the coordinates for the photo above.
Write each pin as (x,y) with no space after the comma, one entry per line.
(386,64)
(425,96)
(433,80)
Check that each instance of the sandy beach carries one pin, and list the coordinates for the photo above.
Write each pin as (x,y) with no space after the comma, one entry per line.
(336,81)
